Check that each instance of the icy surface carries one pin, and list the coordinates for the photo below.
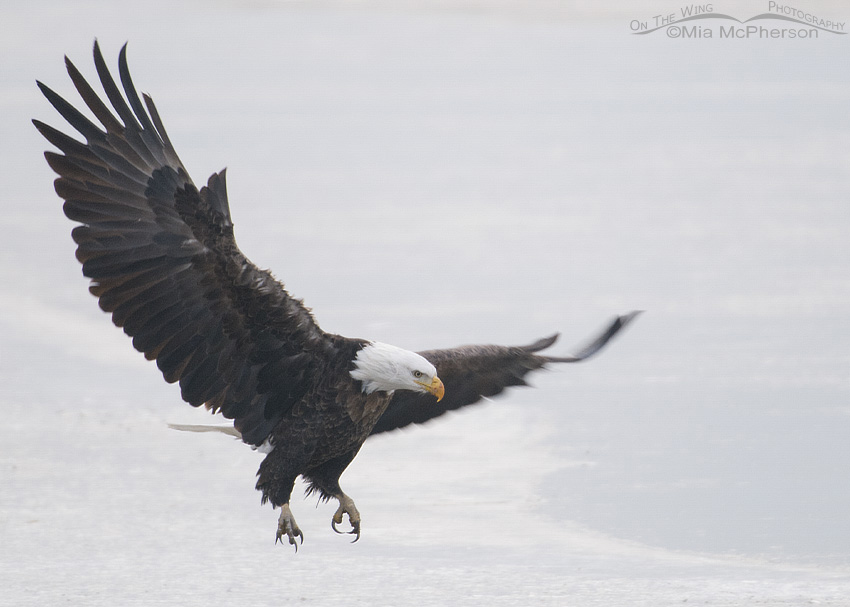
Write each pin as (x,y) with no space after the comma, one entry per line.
(435,173)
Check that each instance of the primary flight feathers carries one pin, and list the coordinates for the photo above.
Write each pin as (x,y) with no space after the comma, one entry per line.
(163,261)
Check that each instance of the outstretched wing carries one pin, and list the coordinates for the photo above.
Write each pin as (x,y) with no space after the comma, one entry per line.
(471,373)
(163,261)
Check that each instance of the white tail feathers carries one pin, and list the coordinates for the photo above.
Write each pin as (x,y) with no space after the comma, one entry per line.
(266,447)
(230,430)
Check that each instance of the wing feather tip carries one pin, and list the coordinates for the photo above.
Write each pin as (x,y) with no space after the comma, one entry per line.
(542,343)
(617,325)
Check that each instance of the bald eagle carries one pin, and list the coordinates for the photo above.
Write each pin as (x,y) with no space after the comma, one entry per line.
(163,261)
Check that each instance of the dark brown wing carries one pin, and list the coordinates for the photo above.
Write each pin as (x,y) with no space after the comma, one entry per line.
(163,261)
(471,373)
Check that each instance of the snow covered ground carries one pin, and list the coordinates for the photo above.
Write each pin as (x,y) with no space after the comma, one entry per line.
(552,169)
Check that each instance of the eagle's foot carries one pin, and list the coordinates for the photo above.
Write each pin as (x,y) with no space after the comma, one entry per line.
(286,526)
(346,506)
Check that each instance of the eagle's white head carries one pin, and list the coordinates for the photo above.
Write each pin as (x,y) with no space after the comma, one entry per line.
(388,368)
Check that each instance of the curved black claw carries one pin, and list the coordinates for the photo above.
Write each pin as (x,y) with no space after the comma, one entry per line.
(355,529)
(291,536)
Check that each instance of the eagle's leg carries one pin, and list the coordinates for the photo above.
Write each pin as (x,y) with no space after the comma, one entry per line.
(346,506)
(286,526)
(276,483)
(324,479)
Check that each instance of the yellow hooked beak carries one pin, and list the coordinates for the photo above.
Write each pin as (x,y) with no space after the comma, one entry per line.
(436,388)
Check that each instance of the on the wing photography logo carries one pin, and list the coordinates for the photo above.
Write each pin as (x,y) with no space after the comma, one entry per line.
(781,20)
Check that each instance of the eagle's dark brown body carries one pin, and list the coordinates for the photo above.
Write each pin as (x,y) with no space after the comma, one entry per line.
(318,438)
(162,259)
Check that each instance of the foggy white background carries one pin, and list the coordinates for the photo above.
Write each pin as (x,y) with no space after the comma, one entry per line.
(437,173)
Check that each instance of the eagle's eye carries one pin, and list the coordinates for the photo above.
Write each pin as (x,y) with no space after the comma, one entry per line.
(417,374)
